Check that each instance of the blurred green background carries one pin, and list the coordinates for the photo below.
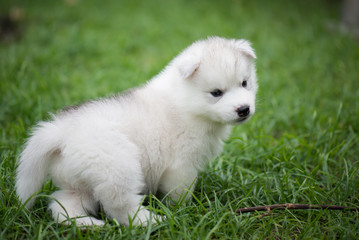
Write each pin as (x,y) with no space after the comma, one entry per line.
(300,147)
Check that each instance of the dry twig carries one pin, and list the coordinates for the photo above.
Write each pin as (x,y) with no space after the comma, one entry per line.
(269,208)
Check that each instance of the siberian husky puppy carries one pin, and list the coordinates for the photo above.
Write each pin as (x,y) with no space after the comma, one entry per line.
(155,138)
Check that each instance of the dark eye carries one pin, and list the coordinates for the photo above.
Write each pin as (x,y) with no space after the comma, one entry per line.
(217,93)
(244,83)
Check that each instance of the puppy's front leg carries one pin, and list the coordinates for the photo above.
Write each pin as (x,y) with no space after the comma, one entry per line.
(178,182)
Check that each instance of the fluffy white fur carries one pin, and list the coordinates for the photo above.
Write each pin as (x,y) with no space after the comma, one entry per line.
(154,138)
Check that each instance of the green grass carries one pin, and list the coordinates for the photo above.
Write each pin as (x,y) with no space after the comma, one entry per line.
(302,145)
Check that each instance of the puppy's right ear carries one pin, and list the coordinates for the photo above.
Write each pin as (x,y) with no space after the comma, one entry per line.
(245,47)
(188,69)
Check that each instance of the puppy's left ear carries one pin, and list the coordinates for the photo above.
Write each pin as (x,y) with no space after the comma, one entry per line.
(245,47)
(188,69)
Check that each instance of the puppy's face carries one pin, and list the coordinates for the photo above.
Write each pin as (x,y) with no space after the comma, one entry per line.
(222,86)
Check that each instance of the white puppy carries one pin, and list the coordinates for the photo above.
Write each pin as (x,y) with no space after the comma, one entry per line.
(154,138)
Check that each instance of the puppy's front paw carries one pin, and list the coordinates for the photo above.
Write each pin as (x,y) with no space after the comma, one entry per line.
(144,217)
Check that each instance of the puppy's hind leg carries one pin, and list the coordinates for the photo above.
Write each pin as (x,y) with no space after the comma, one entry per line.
(74,205)
(117,180)
(120,197)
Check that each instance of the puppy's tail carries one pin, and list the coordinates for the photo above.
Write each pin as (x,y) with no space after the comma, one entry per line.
(33,162)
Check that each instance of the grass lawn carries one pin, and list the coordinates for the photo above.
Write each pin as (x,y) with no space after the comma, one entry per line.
(302,145)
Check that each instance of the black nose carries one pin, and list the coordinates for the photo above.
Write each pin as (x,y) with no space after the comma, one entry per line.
(243,111)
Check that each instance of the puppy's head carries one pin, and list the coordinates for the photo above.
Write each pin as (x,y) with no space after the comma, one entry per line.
(218,80)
